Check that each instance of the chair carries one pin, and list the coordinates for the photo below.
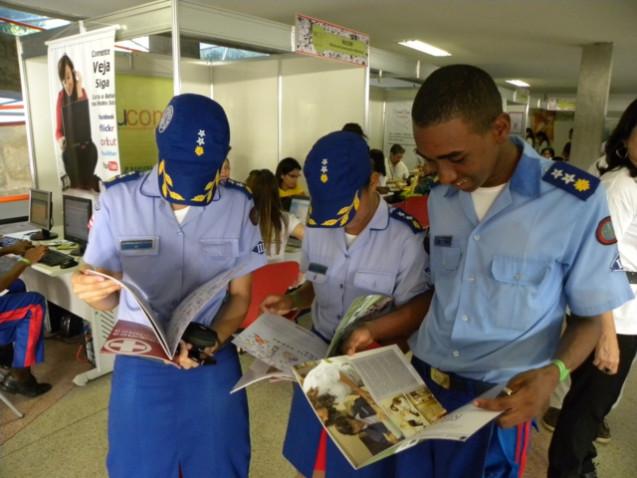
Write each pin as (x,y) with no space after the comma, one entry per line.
(274,278)
(415,206)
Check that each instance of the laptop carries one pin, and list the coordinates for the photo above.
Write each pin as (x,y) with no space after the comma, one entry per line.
(298,207)
(77,122)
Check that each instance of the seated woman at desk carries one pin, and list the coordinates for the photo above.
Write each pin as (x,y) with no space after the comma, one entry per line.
(288,172)
(22,322)
(276,225)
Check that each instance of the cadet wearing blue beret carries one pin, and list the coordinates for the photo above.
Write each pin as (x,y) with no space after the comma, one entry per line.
(169,231)
(514,239)
(354,245)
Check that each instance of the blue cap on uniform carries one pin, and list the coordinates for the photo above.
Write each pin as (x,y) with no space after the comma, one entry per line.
(193,138)
(336,168)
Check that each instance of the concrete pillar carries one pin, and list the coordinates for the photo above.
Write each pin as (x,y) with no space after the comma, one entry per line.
(592,102)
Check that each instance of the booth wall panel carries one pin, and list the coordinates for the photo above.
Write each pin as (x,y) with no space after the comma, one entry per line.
(248,93)
(42,124)
(376,129)
(319,97)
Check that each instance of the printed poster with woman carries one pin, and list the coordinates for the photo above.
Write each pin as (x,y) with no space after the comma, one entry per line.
(82,93)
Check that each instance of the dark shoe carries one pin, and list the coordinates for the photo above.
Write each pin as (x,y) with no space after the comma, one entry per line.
(549,420)
(603,432)
(28,388)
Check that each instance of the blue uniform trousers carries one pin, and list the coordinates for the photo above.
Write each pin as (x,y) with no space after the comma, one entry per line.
(22,323)
(492,452)
(163,420)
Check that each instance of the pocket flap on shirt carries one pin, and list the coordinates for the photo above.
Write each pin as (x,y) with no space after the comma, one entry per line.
(380,282)
(516,270)
(219,246)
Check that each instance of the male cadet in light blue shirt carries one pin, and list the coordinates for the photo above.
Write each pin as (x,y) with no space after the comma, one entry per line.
(169,231)
(354,245)
(514,239)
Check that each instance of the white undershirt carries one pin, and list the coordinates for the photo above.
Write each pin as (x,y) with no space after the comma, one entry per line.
(483,198)
(350,238)
(180,214)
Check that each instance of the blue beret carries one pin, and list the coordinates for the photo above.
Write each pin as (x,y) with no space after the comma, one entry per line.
(336,168)
(193,138)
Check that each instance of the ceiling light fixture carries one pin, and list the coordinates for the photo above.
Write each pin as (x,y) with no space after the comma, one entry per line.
(424,47)
(520,83)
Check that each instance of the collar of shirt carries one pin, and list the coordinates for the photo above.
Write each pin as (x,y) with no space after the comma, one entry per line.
(527,176)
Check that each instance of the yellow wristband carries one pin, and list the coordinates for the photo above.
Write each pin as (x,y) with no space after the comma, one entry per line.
(25,260)
(561,366)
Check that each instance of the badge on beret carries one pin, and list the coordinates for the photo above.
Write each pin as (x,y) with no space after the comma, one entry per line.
(254,216)
(166,117)
(605,233)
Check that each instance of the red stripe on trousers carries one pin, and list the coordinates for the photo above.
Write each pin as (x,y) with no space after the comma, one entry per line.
(321,454)
(521,446)
(35,327)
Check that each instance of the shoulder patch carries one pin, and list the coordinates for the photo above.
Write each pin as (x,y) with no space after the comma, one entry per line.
(402,216)
(572,180)
(239,186)
(122,178)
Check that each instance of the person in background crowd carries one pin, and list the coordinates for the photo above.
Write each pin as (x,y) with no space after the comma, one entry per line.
(288,172)
(499,288)
(22,323)
(275,224)
(548,153)
(349,228)
(530,137)
(398,170)
(225,171)
(566,150)
(355,128)
(169,231)
(597,383)
(541,141)
(378,165)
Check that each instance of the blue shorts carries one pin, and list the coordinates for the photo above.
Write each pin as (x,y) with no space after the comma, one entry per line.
(492,452)
(163,419)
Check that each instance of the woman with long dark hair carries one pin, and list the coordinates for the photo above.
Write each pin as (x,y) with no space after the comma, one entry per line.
(276,225)
(597,383)
(79,158)
(288,172)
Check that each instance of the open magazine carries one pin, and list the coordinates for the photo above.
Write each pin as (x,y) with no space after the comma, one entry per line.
(143,334)
(374,404)
(277,344)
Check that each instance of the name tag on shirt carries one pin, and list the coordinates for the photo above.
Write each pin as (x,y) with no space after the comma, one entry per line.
(443,241)
(317,268)
(141,246)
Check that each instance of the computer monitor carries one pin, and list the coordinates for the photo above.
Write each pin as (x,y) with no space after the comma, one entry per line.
(41,214)
(299,207)
(77,214)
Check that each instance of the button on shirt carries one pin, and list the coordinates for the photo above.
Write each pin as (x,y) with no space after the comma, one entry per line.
(502,284)
(386,258)
(175,258)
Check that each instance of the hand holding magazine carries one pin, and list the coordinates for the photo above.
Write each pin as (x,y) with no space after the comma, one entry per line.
(278,344)
(143,334)
(374,404)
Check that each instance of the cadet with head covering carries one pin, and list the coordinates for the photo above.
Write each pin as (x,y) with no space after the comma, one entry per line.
(169,231)
(354,245)
(501,288)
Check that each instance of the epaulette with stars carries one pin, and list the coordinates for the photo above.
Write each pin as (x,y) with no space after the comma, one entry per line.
(411,221)
(239,186)
(122,178)
(572,180)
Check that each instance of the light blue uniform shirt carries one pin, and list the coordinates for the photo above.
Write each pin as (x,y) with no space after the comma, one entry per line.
(135,232)
(387,257)
(502,285)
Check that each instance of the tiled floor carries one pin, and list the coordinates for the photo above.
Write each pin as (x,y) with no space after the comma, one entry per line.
(68,439)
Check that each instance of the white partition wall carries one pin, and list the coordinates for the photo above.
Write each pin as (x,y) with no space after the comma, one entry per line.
(319,97)
(248,92)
